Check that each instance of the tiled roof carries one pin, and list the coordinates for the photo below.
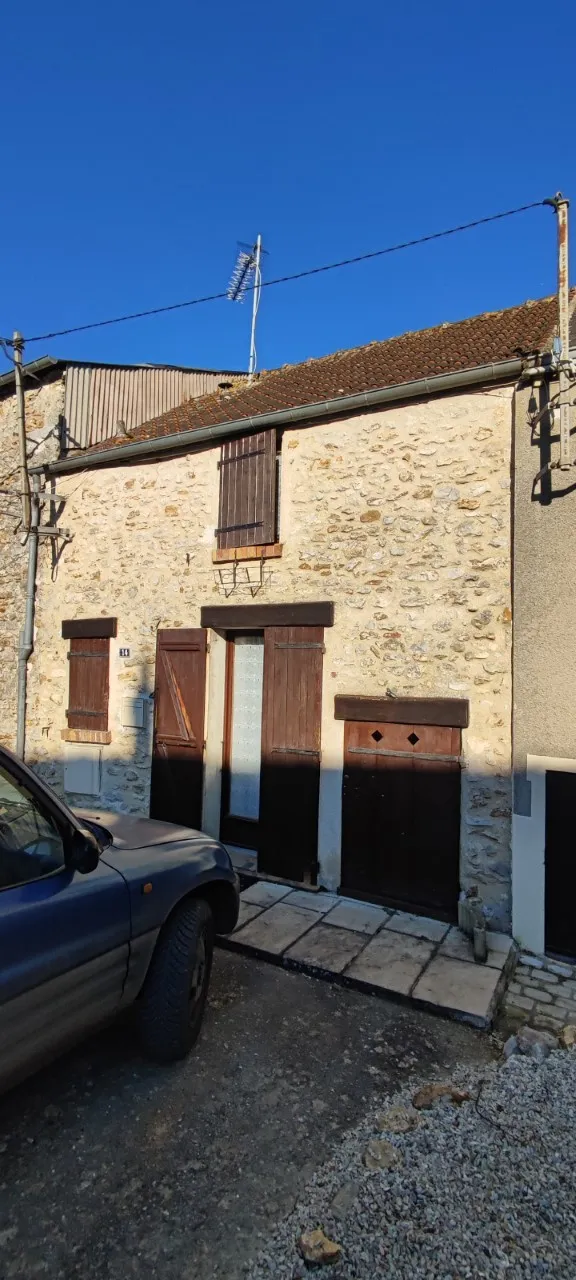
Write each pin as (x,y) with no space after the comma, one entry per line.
(489,338)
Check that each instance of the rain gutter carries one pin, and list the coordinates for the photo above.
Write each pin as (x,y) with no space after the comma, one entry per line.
(155,446)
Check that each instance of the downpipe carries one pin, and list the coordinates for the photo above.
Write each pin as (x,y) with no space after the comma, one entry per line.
(26,645)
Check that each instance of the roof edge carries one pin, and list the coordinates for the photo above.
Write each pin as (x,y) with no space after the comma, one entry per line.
(52,362)
(155,446)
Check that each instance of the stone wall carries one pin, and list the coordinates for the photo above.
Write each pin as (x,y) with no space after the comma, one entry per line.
(401,517)
(44,406)
(543,993)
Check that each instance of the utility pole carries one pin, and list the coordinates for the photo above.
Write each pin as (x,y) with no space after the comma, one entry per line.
(255,305)
(18,344)
(561,204)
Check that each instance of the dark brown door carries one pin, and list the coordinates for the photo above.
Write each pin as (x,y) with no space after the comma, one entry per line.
(560,864)
(401,815)
(290,775)
(176,793)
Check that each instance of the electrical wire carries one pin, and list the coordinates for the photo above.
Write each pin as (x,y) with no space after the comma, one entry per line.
(298,275)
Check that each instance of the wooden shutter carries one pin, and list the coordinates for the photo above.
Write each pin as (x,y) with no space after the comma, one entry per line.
(177,758)
(89,661)
(290,776)
(247,512)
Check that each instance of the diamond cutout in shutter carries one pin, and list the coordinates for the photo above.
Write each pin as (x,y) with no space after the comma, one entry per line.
(413,738)
(376,735)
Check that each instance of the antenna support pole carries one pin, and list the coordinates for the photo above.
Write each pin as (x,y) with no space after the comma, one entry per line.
(255,305)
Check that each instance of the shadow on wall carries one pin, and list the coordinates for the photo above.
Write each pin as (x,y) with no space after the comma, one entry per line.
(543,419)
(411,835)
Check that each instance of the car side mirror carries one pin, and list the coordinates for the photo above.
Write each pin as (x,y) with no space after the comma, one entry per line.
(85,851)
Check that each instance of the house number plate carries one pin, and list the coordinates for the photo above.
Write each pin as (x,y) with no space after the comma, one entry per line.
(124,653)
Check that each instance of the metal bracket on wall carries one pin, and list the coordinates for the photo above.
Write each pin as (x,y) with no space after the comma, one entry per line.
(50,531)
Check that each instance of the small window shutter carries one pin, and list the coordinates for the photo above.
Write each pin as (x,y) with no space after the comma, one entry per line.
(247,514)
(89,660)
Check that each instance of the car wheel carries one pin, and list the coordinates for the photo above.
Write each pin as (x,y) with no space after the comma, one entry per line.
(170,1010)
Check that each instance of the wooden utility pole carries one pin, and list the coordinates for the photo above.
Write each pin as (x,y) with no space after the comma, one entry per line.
(18,344)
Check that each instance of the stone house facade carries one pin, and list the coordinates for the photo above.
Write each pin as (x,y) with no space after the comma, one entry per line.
(69,405)
(333,700)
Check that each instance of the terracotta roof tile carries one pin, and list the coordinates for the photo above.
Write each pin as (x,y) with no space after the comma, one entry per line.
(485,339)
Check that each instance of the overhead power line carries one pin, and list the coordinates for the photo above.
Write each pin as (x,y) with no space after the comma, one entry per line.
(297,275)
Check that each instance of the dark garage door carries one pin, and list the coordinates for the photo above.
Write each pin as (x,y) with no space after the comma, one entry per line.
(401,815)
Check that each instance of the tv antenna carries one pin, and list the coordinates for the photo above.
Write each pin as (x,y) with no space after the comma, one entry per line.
(247,274)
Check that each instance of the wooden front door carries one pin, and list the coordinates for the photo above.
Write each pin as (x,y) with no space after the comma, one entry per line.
(176,792)
(401,815)
(290,774)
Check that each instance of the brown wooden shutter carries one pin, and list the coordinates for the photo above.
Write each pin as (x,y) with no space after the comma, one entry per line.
(290,776)
(178,749)
(89,661)
(247,512)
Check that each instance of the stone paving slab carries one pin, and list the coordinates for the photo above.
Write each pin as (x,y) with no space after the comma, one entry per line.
(265,893)
(418,926)
(311,901)
(392,961)
(328,949)
(361,917)
(365,946)
(276,929)
(443,985)
(248,910)
(456,946)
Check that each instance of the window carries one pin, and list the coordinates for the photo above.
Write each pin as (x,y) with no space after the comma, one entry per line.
(31,845)
(248,491)
(89,662)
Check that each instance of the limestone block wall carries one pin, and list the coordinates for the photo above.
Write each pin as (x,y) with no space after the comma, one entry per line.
(44,405)
(401,517)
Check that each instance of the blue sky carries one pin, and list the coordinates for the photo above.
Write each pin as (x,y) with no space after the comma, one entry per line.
(142,141)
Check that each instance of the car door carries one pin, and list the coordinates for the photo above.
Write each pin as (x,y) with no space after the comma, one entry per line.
(64,936)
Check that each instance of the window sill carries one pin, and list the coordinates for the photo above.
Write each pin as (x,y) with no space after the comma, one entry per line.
(269,552)
(100,737)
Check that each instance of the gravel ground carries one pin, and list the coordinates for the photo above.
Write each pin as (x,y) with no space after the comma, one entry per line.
(111,1168)
(484,1190)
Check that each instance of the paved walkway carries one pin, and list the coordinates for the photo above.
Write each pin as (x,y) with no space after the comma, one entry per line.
(389,952)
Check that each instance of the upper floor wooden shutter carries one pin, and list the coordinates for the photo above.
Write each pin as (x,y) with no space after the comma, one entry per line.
(89,661)
(247,512)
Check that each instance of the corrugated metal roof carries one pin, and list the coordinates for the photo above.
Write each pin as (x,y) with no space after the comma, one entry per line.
(102,401)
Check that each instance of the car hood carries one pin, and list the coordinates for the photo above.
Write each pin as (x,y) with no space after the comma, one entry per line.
(130,832)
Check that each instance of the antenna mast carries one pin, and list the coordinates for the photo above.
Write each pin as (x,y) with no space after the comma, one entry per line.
(247,275)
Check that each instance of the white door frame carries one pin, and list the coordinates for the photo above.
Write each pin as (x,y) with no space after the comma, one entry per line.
(528,856)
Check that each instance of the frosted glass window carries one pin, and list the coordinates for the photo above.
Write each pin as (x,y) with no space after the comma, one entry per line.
(246,735)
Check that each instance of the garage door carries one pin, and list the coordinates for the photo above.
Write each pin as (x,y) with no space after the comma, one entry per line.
(401,815)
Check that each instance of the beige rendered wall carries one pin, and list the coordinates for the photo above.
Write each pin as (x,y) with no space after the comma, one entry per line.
(402,518)
(44,405)
(544,588)
(544,645)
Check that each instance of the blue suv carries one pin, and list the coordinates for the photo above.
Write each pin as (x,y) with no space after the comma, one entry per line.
(99,912)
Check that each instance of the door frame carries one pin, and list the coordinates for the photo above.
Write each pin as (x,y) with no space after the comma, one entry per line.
(234,830)
(529,855)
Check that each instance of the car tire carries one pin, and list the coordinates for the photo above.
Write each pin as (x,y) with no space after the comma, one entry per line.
(170,1010)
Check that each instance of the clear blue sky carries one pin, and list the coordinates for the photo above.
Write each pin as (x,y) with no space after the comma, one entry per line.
(141,141)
